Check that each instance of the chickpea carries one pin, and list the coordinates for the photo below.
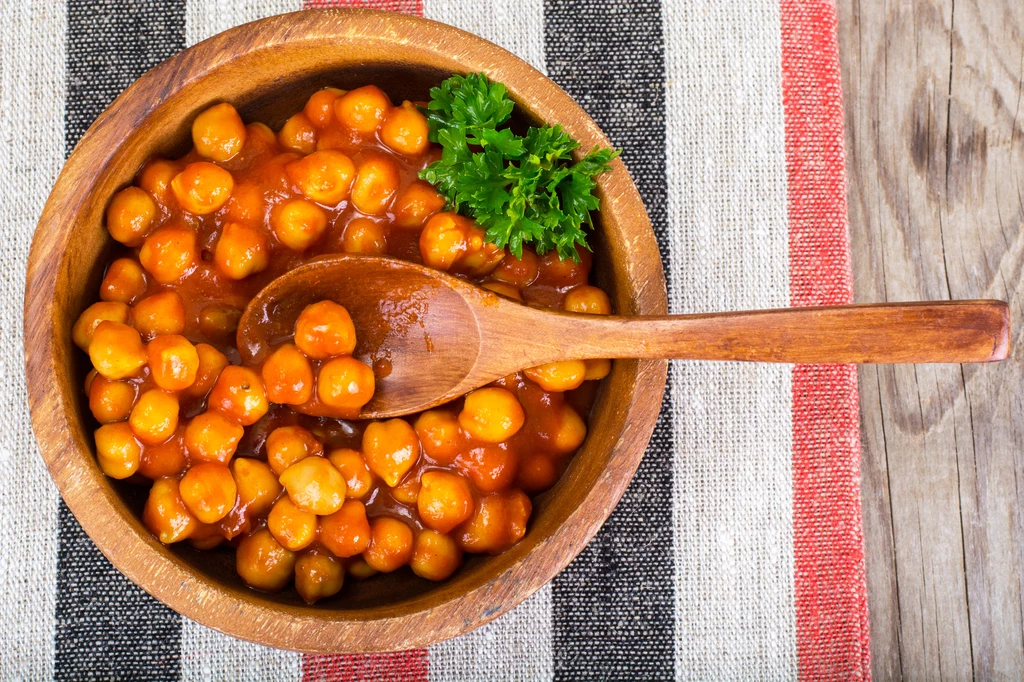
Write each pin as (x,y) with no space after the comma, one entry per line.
(324,330)
(263,563)
(124,282)
(570,432)
(319,108)
(318,576)
(165,513)
(160,314)
(260,139)
(390,545)
(218,133)
(315,485)
(164,459)
(219,322)
(597,369)
(391,449)
(558,376)
(209,491)
(202,187)
(154,417)
(241,251)
(415,204)
(345,384)
(324,177)
(288,376)
(258,487)
(246,204)
(438,431)
(537,472)
(334,137)
(358,479)
(481,256)
(363,235)
(206,537)
(298,223)
(498,523)
(491,415)
(519,272)
(491,467)
(445,500)
(518,507)
(408,491)
(564,273)
(117,451)
(110,401)
(359,569)
(212,437)
(130,215)
(169,253)
(362,109)
(346,532)
(116,350)
(453,242)
(173,362)
(405,130)
(238,394)
(443,240)
(503,289)
(435,556)
(287,445)
(298,134)
(293,527)
(211,363)
(89,378)
(587,299)
(155,178)
(376,185)
(85,327)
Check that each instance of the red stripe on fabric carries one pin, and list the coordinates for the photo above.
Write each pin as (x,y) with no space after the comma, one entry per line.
(831,592)
(403,666)
(400,666)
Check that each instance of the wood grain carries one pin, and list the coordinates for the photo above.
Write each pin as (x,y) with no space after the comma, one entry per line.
(935,155)
(268,69)
(446,336)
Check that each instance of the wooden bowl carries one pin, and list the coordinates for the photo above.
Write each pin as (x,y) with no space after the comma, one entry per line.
(268,69)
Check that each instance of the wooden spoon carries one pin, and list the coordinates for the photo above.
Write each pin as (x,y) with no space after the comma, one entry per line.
(432,337)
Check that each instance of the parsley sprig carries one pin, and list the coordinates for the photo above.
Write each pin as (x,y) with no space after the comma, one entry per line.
(521,189)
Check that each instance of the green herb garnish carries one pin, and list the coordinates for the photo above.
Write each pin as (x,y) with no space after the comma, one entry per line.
(521,189)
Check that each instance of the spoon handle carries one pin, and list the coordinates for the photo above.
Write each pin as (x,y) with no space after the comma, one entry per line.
(948,331)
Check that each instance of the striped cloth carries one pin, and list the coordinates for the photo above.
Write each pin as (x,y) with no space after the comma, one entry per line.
(737,551)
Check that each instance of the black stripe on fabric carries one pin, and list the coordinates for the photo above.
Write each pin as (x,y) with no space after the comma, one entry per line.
(614,605)
(107,627)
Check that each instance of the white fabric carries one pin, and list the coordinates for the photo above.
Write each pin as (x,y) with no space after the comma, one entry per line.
(32,90)
(516,25)
(727,205)
(206,18)
(208,655)
(515,646)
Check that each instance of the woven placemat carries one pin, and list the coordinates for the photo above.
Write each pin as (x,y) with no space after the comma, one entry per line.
(737,551)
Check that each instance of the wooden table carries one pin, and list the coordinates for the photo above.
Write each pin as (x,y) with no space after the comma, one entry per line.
(934,93)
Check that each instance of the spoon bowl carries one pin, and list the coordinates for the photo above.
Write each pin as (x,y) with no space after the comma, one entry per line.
(416,326)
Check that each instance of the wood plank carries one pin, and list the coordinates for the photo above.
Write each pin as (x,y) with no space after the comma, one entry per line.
(935,145)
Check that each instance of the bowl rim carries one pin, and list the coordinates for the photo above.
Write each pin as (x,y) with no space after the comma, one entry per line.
(237,611)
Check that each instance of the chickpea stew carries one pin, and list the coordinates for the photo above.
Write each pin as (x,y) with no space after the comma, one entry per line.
(268,459)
